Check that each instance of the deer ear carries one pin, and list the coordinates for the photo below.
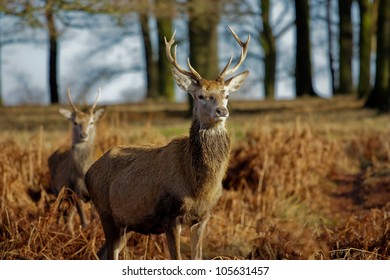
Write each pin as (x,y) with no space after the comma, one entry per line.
(183,81)
(234,83)
(66,113)
(99,113)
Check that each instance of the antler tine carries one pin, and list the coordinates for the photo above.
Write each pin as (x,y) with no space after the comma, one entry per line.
(244,51)
(222,75)
(195,74)
(173,59)
(96,100)
(71,102)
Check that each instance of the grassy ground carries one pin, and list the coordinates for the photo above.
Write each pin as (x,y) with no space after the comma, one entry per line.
(308,179)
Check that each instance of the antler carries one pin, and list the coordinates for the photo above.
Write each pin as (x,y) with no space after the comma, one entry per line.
(96,100)
(244,51)
(172,59)
(71,102)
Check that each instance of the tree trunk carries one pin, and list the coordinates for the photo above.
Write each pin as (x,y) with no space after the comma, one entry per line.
(303,73)
(53,51)
(267,41)
(330,44)
(203,37)
(151,67)
(365,34)
(346,47)
(380,95)
(164,26)
(1,76)
(1,68)
(203,22)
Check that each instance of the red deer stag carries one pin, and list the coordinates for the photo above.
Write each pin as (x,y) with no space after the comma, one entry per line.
(152,190)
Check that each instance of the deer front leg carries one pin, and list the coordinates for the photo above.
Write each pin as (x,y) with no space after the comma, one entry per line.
(80,211)
(68,218)
(196,237)
(173,238)
(80,192)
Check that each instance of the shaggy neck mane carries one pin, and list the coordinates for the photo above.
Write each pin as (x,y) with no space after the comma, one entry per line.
(209,151)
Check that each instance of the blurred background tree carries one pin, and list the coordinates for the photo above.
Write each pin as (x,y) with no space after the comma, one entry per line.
(150,59)
(142,25)
(380,95)
(164,15)
(267,41)
(345,47)
(303,61)
(367,18)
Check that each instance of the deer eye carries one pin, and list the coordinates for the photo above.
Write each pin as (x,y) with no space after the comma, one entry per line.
(211,97)
(227,96)
(201,97)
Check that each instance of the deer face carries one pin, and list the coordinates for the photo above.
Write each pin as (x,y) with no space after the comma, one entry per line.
(210,97)
(211,102)
(84,123)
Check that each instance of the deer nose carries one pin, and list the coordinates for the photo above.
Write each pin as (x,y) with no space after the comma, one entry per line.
(83,135)
(222,112)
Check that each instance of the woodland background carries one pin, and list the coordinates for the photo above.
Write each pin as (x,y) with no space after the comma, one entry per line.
(351,46)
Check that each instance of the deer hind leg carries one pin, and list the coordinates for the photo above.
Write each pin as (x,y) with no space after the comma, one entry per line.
(102,253)
(196,236)
(115,239)
(173,238)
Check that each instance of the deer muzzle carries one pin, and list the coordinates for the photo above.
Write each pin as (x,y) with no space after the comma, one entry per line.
(221,113)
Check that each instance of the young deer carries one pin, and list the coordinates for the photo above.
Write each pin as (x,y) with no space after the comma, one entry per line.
(152,190)
(68,165)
